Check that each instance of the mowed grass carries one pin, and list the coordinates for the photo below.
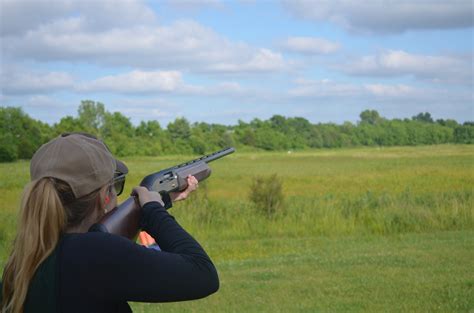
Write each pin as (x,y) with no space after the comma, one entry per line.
(405,273)
(362,230)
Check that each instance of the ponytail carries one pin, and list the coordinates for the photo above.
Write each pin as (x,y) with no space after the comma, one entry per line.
(42,220)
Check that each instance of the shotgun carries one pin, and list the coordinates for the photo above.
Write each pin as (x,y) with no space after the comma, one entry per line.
(124,220)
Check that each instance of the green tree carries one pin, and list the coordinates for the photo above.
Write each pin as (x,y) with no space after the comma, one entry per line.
(69,124)
(21,135)
(370,117)
(179,129)
(278,122)
(395,133)
(315,139)
(8,148)
(269,139)
(331,135)
(227,139)
(153,139)
(464,134)
(92,116)
(198,144)
(423,117)
(247,137)
(150,129)
(448,123)
(118,132)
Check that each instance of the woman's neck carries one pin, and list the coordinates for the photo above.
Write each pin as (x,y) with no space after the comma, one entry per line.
(78,229)
(84,226)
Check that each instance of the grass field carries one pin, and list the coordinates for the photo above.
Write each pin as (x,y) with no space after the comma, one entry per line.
(362,230)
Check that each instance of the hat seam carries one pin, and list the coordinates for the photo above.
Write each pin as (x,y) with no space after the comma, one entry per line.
(89,156)
(96,171)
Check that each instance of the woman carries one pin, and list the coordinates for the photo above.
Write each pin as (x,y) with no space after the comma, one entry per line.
(58,266)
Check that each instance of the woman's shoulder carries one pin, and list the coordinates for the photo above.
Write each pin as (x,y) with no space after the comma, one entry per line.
(94,243)
(95,256)
(90,237)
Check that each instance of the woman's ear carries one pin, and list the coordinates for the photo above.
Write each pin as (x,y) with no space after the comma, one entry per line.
(101,199)
(108,199)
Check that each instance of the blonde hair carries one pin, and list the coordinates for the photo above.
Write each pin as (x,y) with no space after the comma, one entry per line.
(47,208)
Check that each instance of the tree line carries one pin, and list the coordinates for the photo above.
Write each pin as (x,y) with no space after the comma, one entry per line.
(21,135)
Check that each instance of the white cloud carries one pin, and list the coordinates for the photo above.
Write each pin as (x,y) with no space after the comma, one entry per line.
(399,63)
(264,60)
(13,13)
(20,16)
(368,93)
(195,5)
(230,87)
(221,89)
(43,102)
(393,91)
(145,113)
(183,45)
(310,45)
(385,16)
(159,82)
(15,81)
(323,88)
(135,82)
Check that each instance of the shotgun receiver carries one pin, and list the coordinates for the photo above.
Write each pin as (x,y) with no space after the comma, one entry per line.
(124,220)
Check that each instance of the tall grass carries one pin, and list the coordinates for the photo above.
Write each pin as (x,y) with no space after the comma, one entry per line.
(369,213)
(340,192)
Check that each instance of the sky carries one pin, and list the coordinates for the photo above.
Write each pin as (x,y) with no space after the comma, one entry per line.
(219,61)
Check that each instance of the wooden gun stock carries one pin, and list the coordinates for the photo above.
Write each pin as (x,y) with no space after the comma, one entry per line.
(124,220)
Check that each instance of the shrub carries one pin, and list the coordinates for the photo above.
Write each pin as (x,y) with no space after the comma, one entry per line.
(266,193)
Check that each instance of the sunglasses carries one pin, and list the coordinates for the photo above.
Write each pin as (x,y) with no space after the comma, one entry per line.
(119,182)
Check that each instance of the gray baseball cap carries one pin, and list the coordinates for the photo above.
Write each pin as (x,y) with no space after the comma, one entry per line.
(81,160)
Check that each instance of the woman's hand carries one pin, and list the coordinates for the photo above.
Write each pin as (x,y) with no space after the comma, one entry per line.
(145,196)
(192,185)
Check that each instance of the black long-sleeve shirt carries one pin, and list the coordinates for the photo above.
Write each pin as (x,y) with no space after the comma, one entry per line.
(100,272)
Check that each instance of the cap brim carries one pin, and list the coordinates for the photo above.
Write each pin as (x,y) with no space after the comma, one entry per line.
(121,167)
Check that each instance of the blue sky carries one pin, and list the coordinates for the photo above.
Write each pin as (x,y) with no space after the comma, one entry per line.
(223,61)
